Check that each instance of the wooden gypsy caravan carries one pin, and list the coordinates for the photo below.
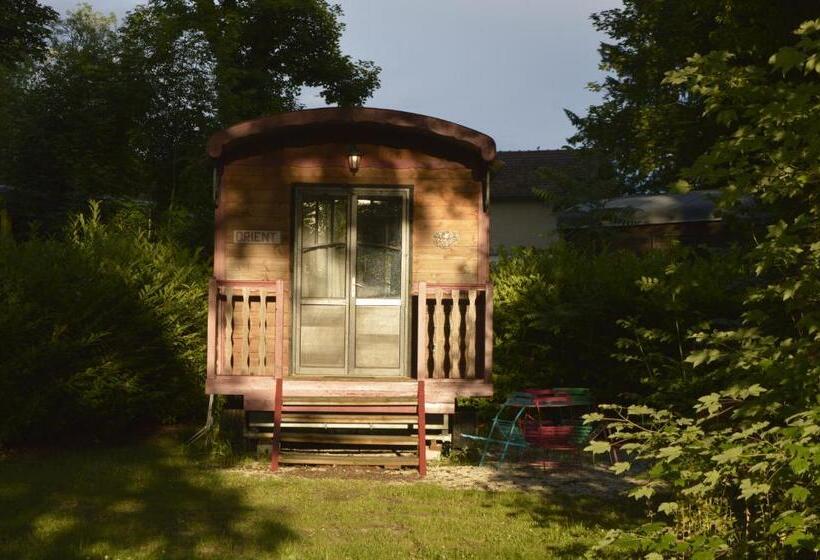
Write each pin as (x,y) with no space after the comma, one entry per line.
(351,295)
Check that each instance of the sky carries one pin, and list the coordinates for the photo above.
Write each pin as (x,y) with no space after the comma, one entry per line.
(507,68)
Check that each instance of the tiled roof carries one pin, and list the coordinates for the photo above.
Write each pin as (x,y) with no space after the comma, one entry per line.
(519,175)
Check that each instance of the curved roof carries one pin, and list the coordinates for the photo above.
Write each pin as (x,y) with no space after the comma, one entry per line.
(363,117)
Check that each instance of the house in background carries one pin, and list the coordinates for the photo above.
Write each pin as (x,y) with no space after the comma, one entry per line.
(652,221)
(519,218)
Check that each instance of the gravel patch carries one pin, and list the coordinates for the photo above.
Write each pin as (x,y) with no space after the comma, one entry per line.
(570,479)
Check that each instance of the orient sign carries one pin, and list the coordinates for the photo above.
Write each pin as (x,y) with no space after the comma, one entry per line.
(259,237)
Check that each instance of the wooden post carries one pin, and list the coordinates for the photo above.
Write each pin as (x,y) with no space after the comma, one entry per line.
(438,337)
(469,336)
(246,326)
(213,300)
(455,335)
(262,347)
(421,343)
(279,336)
(422,430)
(228,330)
(277,426)
(488,333)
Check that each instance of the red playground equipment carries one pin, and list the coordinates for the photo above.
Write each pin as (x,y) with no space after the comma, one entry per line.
(550,420)
(555,421)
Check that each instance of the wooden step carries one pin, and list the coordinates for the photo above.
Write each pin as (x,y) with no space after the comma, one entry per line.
(352,439)
(337,459)
(348,401)
(318,418)
(428,437)
(267,432)
(377,408)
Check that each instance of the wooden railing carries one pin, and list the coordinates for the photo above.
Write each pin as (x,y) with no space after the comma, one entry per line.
(246,323)
(455,328)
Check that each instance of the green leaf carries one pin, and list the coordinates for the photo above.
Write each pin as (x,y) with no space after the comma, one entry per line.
(620,467)
(645,491)
(787,59)
(597,447)
(711,477)
(668,508)
(798,493)
(749,488)
(731,455)
(799,465)
(710,402)
(670,453)
(639,410)
(707,355)
(796,539)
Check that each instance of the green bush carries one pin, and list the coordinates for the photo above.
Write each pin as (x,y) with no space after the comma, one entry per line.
(102,332)
(719,487)
(567,316)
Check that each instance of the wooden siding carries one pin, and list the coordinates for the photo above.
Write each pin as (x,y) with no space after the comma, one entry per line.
(257,191)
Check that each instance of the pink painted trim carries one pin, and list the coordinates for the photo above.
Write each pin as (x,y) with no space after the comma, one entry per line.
(213,301)
(247,283)
(422,430)
(279,341)
(277,427)
(421,336)
(444,286)
(488,334)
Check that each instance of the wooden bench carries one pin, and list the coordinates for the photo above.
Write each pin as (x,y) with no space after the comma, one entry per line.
(340,421)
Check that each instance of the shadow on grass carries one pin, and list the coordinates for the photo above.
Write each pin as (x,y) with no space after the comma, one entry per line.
(580,514)
(582,501)
(147,500)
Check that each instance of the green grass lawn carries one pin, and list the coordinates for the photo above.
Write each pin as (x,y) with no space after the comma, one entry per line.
(150,501)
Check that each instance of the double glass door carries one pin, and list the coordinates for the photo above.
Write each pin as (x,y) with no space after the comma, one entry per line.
(351,281)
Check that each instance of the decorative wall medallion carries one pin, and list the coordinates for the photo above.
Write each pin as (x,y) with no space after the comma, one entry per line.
(445,239)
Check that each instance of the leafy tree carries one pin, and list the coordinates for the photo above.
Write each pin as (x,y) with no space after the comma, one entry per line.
(739,478)
(125,111)
(172,97)
(649,128)
(66,127)
(264,51)
(25,26)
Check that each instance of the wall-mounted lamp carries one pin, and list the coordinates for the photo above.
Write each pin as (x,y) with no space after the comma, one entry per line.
(354,157)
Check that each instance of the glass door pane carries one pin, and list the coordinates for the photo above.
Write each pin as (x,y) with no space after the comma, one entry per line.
(324,248)
(323,305)
(378,247)
(378,291)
